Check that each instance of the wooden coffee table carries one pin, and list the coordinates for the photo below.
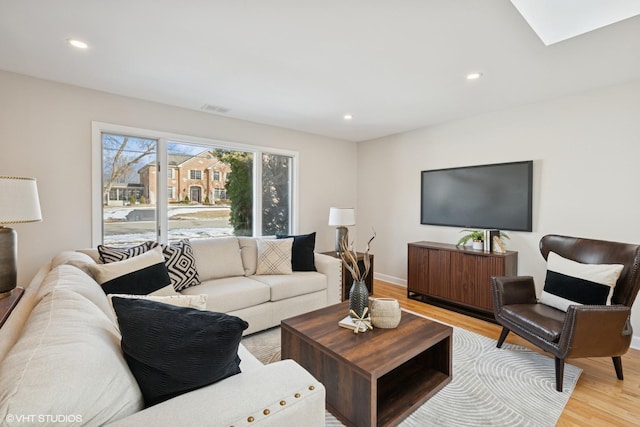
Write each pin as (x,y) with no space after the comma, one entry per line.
(375,378)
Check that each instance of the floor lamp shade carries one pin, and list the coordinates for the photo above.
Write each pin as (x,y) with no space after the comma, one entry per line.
(341,217)
(19,203)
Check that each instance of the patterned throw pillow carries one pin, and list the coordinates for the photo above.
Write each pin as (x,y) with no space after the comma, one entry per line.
(274,256)
(181,264)
(178,256)
(572,283)
(114,254)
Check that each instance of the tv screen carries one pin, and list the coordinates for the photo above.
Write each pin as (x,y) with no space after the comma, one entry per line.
(487,196)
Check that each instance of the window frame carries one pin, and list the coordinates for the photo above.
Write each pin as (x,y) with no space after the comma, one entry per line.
(162,138)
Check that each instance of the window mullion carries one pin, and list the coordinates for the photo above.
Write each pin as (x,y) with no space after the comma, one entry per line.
(293,194)
(257,193)
(162,202)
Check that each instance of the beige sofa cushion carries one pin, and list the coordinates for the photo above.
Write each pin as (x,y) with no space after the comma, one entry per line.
(68,361)
(249,253)
(231,293)
(217,257)
(292,285)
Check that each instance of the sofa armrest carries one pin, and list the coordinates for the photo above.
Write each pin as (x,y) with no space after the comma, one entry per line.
(332,268)
(282,393)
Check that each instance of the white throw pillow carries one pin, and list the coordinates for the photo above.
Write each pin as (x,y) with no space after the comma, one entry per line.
(572,283)
(194,301)
(274,256)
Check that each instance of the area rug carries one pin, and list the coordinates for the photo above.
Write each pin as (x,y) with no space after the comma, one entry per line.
(512,386)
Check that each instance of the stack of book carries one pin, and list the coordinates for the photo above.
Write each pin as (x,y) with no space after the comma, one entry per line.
(348,323)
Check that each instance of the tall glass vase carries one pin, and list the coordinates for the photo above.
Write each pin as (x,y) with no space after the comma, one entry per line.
(358,298)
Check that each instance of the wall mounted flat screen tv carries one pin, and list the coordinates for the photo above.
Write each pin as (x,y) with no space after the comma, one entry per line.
(486,196)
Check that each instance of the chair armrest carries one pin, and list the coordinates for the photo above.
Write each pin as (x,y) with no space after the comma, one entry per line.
(513,290)
(595,331)
(267,394)
(332,268)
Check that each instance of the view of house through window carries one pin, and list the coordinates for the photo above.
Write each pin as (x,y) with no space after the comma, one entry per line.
(129,210)
(209,191)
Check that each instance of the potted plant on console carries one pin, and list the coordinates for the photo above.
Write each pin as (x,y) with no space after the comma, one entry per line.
(477,236)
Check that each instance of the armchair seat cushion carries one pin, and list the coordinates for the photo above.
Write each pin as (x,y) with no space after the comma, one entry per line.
(539,319)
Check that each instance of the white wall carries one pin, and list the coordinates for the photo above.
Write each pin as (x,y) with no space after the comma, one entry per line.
(585,149)
(45,132)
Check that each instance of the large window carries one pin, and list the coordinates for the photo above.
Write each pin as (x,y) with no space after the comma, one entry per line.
(128,206)
(164,187)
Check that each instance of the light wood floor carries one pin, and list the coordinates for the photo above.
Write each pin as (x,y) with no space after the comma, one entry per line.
(599,398)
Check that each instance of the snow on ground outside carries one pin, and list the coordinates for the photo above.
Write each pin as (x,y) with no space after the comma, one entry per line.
(120,214)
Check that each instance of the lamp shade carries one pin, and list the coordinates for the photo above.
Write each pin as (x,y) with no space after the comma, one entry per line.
(19,200)
(342,216)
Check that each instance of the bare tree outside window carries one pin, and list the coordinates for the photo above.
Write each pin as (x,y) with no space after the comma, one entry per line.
(121,157)
(128,205)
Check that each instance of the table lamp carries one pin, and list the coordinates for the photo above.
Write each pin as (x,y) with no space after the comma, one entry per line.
(18,203)
(341,217)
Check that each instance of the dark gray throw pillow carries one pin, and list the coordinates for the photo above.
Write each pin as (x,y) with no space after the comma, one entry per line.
(173,350)
(302,252)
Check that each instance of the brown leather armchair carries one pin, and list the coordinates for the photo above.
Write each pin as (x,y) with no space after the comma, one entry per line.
(584,330)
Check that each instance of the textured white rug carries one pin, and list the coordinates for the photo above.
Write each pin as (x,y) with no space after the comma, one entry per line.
(512,386)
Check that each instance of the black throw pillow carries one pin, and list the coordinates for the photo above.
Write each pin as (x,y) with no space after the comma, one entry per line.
(173,350)
(302,252)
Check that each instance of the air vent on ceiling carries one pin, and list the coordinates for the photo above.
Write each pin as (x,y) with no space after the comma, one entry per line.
(215,108)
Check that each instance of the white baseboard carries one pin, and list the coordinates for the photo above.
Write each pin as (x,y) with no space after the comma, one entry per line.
(390,279)
(635,341)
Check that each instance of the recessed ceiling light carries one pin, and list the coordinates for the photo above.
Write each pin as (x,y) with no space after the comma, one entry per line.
(347,117)
(474,76)
(77,43)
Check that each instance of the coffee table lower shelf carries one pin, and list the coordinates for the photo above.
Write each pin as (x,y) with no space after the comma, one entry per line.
(376,378)
(403,390)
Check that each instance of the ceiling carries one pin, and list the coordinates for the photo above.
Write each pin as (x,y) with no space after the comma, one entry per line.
(394,65)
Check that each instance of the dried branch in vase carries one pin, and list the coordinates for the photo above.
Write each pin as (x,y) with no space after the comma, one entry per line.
(350,259)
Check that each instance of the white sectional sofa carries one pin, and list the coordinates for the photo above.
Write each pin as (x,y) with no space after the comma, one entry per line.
(61,360)
(227,269)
